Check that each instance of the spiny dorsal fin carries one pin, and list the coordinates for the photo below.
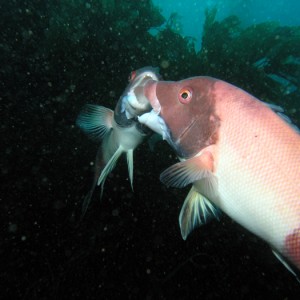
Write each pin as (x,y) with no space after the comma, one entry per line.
(280,112)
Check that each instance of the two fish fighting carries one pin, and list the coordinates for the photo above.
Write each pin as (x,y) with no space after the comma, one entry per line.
(240,155)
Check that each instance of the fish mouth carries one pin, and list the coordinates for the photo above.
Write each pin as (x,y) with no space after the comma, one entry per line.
(136,101)
(153,119)
(150,93)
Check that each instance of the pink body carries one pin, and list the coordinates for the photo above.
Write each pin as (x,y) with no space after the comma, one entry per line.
(255,155)
(258,162)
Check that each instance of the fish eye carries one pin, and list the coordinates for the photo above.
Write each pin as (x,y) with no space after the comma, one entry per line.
(132,76)
(185,95)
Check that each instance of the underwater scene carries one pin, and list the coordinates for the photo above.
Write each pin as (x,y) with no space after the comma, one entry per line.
(89,205)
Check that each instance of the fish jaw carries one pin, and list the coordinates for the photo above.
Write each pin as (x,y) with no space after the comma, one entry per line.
(150,93)
(133,100)
(153,119)
(155,123)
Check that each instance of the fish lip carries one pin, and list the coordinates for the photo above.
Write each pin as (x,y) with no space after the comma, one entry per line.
(150,94)
(136,102)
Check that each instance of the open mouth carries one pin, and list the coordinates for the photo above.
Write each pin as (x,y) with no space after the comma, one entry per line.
(150,93)
(138,99)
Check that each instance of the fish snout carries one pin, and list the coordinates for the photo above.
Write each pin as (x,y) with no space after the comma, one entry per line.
(150,94)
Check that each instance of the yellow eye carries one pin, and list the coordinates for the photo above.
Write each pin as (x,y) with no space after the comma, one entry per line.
(185,95)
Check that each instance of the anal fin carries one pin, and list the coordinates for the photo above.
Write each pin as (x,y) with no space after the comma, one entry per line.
(196,210)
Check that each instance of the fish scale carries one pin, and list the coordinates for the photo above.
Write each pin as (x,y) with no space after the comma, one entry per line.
(240,156)
(118,131)
(263,194)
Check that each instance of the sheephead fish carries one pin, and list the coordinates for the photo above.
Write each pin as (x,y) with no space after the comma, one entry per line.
(118,131)
(240,156)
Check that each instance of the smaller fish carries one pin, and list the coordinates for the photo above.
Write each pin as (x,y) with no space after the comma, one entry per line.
(118,131)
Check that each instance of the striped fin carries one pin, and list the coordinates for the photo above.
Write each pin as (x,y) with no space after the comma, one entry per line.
(192,170)
(110,166)
(95,121)
(196,211)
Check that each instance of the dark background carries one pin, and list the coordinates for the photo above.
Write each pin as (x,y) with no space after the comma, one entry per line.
(56,56)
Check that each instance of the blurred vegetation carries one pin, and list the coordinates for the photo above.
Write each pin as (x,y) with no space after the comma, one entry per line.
(250,57)
(84,50)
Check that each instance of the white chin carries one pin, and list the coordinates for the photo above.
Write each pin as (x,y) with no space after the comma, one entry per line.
(154,122)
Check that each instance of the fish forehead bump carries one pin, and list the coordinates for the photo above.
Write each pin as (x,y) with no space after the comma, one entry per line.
(194,125)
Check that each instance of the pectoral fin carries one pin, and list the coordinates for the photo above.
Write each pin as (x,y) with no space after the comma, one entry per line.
(95,121)
(189,171)
(196,210)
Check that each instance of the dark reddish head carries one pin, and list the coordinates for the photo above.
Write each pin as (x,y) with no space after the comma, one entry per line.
(188,109)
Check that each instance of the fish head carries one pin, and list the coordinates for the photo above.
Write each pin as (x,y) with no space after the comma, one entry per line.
(133,101)
(185,113)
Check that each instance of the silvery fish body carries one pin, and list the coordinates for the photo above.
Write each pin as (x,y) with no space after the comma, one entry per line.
(118,131)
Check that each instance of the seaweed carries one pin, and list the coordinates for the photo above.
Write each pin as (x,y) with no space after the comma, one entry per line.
(261,58)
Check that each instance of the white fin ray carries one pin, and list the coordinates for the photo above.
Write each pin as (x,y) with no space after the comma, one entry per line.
(110,166)
(86,202)
(196,210)
(95,121)
(129,155)
(190,171)
(286,264)
(180,175)
(208,187)
(288,121)
(102,186)
(276,108)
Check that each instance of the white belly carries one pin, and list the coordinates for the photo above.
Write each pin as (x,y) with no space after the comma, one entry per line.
(247,193)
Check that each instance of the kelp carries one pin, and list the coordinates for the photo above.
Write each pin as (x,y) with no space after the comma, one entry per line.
(262,58)
(89,47)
